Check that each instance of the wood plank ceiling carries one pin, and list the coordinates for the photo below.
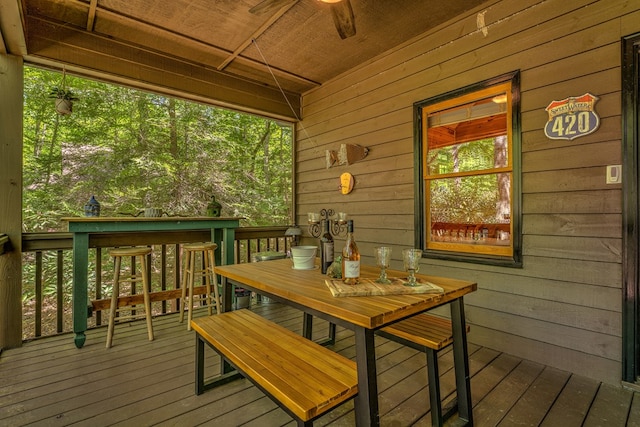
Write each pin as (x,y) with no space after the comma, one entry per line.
(241,53)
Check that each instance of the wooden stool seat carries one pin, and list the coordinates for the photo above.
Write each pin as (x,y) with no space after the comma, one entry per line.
(137,252)
(124,252)
(207,251)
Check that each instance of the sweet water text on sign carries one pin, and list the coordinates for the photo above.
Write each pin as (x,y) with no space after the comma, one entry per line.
(572,117)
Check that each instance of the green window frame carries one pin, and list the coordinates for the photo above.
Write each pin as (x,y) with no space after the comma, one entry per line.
(467,173)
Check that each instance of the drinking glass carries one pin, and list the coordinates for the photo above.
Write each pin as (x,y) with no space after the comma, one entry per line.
(383,258)
(411,259)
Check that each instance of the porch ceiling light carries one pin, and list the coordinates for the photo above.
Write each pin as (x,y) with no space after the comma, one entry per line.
(330,1)
(500,99)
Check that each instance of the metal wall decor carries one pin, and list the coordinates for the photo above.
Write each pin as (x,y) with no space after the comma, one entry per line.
(337,226)
(348,154)
(572,117)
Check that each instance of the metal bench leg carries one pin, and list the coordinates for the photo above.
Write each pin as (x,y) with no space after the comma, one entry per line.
(307,325)
(307,330)
(199,365)
(332,334)
(434,387)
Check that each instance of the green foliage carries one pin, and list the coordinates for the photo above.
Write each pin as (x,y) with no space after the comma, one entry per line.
(469,156)
(133,149)
(60,93)
(476,198)
(470,200)
(49,276)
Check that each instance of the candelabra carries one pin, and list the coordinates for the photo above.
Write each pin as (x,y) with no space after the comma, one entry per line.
(336,226)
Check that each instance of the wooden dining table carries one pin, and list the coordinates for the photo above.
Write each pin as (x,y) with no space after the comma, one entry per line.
(222,232)
(308,291)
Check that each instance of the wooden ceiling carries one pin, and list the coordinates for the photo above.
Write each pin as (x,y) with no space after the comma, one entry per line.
(218,50)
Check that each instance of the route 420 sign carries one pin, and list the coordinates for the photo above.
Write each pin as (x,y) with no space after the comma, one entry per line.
(572,117)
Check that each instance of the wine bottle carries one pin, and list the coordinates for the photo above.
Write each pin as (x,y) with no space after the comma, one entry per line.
(350,258)
(326,247)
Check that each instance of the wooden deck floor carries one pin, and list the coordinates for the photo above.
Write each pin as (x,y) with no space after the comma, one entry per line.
(49,382)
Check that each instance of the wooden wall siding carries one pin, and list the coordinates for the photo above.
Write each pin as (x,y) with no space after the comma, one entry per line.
(563,308)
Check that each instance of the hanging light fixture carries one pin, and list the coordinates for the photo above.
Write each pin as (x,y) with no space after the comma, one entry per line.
(500,99)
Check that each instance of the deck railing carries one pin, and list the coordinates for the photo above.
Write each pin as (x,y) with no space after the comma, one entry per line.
(48,273)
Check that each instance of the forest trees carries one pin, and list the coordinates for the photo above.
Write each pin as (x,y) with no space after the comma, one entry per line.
(134,149)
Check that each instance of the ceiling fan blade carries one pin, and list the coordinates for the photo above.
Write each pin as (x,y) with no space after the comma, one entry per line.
(266,6)
(343,18)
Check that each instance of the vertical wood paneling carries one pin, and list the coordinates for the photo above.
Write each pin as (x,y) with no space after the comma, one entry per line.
(570,283)
(11,200)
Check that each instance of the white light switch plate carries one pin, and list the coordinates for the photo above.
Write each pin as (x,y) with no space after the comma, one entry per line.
(614,174)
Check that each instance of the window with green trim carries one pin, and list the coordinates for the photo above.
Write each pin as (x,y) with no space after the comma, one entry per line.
(468,160)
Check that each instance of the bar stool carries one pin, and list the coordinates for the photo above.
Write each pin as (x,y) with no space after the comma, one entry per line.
(207,251)
(136,253)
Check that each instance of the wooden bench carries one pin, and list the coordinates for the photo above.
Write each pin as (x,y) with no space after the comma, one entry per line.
(428,333)
(302,377)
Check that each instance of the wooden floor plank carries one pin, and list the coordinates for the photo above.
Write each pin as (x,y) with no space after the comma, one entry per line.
(633,419)
(572,406)
(218,407)
(491,410)
(479,359)
(534,404)
(49,382)
(610,407)
(491,376)
(169,403)
(391,359)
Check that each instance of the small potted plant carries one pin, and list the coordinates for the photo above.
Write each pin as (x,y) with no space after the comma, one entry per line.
(64,100)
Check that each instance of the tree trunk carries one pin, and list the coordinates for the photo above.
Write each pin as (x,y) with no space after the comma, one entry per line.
(504,184)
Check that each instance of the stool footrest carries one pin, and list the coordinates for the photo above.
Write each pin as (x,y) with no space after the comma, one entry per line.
(130,317)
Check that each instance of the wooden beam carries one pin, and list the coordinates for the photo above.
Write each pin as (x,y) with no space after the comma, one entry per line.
(91,18)
(136,33)
(11,84)
(257,34)
(90,51)
(12,39)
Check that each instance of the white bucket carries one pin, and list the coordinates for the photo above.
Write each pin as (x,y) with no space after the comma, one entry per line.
(303,257)
(243,302)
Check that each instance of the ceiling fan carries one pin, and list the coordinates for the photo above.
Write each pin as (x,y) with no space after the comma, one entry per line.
(340,9)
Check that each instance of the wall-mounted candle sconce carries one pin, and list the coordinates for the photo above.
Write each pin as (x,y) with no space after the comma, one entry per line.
(337,226)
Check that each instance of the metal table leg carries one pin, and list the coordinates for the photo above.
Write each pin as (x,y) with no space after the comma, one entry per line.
(461,359)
